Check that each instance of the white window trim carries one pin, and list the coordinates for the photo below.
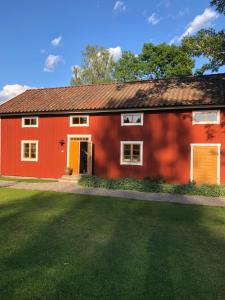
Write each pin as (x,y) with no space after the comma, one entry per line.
(22,150)
(132,124)
(122,162)
(204,122)
(79,125)
(29,126)
(218,160)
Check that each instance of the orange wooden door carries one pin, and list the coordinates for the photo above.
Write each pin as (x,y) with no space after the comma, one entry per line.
(74,156)
(205,164)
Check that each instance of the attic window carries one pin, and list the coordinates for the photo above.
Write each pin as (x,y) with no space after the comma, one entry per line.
(132,119)
(30,122)
(206,117)
(79,120)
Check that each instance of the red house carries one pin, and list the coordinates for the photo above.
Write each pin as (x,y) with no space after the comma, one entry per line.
(173,128)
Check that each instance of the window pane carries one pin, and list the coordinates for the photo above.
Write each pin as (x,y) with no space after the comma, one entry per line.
(33,150)
(33,121)
(127,152)
(76,120)
(83,120)
(136,153)
(27,122)
(137,119)
(212,116)
(26,150)
(127,119)
(199,117)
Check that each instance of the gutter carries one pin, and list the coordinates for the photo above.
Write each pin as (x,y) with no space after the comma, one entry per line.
(120,110)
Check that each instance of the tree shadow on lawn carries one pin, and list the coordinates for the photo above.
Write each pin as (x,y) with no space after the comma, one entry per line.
(82,247)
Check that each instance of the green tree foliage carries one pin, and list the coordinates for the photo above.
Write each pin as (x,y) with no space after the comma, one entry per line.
(219,4)
(97,66)
(164,61)
(128,68)
(207,43)
(155,61)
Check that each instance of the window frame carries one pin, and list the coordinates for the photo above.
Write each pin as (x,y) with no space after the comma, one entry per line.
(22,150)
(133,163)
(79,125)
(30,126)
(206,122)
(132,124)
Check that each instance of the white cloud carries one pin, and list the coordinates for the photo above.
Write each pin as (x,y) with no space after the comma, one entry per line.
(51,62)
(153,19)
(200,21)
(11,90)
(119,6)
(116,53)
(56,41)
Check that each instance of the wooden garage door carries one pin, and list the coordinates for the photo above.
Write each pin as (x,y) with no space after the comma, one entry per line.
(205,164)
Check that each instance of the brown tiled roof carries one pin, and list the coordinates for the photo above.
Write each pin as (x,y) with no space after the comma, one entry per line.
(183,91)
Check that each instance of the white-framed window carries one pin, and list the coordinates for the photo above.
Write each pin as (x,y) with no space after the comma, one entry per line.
(131,153)
(206,117)
(132,119)
(30,122)
(82,120)
(29,150)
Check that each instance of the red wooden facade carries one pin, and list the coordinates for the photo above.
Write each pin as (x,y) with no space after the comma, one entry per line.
(166,136)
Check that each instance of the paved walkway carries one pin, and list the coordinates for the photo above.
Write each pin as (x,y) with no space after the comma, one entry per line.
(68,187)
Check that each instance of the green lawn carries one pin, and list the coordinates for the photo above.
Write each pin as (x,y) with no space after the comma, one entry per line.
(29,180)
(64,246)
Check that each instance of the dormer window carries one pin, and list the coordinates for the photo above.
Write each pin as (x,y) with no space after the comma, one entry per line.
(132,119)
(206,117)
(30,122)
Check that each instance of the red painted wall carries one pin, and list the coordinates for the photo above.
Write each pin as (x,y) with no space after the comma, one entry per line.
(166,140)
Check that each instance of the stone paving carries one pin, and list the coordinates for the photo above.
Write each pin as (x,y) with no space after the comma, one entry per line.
(70,187)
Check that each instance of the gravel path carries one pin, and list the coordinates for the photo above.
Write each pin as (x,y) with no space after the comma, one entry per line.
(68,187)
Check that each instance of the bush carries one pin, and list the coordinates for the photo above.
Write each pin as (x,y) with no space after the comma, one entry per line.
(154,185)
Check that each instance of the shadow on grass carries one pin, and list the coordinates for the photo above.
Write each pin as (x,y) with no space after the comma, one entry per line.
(59,246)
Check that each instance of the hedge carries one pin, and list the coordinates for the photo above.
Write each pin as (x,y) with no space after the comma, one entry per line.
(155,185)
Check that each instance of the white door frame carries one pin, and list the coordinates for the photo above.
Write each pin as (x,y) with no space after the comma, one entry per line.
(218,159)
(69,136)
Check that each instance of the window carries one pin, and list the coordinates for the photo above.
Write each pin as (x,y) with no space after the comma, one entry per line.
(29,150)
(132,119)
(206,117)
(30,122)
(79,121)
(131,153)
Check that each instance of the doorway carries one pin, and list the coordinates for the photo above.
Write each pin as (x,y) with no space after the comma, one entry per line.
(80,155)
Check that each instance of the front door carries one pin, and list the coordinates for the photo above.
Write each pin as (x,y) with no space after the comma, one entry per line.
(80,156)
(74,156)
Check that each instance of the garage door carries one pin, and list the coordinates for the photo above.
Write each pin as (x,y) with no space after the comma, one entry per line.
(205,163)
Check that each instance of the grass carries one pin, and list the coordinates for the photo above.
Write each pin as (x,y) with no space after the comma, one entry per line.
(153,185)
(64,246)
(29,180)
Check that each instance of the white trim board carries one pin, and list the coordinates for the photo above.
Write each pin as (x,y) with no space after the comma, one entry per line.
(30,126)
(141,153)
(132,124)
(218,160)
(29,142)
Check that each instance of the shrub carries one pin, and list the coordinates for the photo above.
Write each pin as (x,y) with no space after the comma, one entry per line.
(152,184)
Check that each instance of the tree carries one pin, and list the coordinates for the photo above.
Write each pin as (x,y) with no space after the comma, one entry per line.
(97,66)
(128,68)
(209,44)
(164,61)
(219,4)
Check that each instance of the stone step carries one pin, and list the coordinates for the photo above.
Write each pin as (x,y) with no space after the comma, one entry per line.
(69,178)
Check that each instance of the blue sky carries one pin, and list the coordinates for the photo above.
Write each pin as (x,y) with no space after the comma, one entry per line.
(41,40)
